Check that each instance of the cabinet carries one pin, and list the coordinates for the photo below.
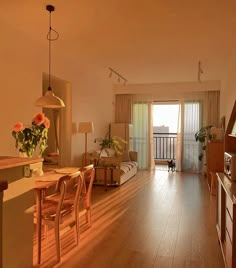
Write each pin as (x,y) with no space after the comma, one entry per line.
(230,136)
(124,131)
(17,213)
(3,186)
(226,218)
(226,201)
(214,162)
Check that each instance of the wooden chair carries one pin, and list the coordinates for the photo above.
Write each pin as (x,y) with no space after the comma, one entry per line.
(89,175)
(61,208)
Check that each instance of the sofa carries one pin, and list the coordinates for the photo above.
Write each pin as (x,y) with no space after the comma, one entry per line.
(119,168)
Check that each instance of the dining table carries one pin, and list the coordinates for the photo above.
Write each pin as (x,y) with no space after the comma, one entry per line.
(42,183)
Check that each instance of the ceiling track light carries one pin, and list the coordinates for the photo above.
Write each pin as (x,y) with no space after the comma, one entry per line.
(49,100)
(200,71)
(119,77)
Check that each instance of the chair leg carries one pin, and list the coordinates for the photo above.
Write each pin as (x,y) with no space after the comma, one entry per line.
(77,230)
(88,216)
(45,231)
(88,212)
(58,242)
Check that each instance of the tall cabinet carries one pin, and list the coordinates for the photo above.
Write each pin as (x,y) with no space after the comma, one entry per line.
(214,162)
(124,131)
(226,201)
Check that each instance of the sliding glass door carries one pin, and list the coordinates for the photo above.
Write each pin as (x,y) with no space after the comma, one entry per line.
(184,150)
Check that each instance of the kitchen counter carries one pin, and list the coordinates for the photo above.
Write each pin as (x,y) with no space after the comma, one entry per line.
(11,161)
(17,213)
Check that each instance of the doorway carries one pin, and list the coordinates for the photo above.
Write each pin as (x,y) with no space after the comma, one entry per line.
(166,123)
(182,119)
(60,131)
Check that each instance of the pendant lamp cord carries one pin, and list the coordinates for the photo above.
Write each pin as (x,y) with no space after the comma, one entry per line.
(51,38)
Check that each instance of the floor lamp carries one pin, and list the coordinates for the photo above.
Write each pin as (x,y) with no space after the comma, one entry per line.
(85,127)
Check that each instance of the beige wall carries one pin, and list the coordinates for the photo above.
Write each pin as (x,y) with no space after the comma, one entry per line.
(21,75)
(24,57)
(22,63)
(228,95)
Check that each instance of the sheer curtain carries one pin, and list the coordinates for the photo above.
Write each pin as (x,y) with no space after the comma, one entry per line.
(179,141)
(197,110)
(191,123)
(143,134)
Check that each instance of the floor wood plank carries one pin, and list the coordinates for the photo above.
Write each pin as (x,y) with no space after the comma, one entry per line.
(156,219)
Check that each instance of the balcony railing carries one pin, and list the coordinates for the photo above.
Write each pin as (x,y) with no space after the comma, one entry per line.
(164,146)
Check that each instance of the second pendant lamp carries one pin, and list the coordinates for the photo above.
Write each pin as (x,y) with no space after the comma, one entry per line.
(49,100)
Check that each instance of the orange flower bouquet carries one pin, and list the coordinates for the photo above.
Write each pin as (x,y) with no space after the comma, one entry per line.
(28,138)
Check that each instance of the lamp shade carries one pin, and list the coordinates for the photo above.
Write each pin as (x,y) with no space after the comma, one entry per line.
(86,127)
(49,100)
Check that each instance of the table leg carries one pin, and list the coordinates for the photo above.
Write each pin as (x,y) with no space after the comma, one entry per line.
(105,178)
(39,222)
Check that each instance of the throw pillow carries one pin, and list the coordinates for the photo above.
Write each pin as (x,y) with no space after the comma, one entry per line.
(125,156)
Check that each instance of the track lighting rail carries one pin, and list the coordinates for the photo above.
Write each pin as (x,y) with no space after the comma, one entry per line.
(118,75)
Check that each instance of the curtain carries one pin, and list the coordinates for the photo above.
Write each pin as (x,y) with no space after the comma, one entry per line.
(191,123)
(143,134)
(151,161)
(123,110)
(179,141)
(213,108)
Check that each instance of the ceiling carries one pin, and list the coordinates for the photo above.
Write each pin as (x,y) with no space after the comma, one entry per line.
(146,41)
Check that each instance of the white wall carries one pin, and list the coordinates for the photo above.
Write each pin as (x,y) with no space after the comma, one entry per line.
(23,60)
(22,63)
(21,79)
(228,95)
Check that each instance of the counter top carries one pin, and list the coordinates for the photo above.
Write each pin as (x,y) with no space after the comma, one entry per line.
(11,161)
(228,185)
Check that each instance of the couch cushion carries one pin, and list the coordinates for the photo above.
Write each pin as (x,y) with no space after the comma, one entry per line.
(127,166)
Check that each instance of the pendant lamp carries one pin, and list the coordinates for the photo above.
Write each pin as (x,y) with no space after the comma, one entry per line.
(49,100)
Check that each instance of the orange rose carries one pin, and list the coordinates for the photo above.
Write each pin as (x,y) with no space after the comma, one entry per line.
(39,119)
(46,122)
(18,127)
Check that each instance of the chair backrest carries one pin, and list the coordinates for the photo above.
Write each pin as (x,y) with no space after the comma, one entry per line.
(89,175)
(69,187)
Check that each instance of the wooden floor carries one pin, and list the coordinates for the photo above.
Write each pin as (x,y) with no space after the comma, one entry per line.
(156,219)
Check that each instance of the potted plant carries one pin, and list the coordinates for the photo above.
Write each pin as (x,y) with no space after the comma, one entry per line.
(203,135)
(110,142)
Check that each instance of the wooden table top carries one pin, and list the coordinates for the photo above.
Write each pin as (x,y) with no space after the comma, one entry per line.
(11,161)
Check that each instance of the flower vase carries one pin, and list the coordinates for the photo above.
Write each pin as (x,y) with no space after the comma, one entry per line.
(23,154)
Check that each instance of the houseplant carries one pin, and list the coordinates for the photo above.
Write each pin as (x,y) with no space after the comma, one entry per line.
(114,143)
(30,138)
(202,136)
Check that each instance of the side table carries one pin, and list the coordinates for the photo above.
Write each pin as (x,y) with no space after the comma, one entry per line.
(106,168)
